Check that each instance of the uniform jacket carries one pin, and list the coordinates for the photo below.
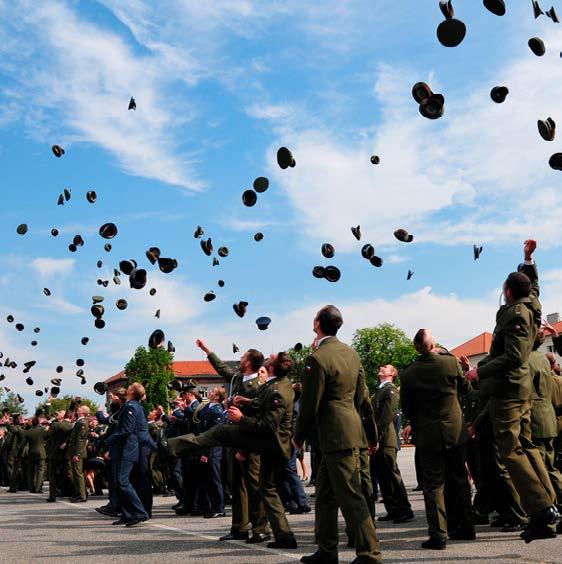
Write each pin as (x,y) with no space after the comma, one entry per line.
(429,389)
(35,438)
(273,416)
(130,438)
(333,389)
(543,419)
(506,375)
(556,397)
(78,443)
(385,407)
(368,419)
(57,435)
(238,387)
(15,441)
(209,416)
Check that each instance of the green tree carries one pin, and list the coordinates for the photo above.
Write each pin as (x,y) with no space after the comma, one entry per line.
(9,401)
(52,405)
(299,356)
(152,367)
(380,345)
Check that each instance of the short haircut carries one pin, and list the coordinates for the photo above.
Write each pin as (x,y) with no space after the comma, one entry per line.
(422,342)
(121,393)
(282,365)
(519,285)
(255,358)
(221,393)
(85,410)
(539,339)
(137,391)
(394,370)
(330,320)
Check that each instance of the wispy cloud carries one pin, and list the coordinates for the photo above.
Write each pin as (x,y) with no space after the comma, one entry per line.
(48,267)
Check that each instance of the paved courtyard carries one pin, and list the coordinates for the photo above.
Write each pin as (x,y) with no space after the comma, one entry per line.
(34,531)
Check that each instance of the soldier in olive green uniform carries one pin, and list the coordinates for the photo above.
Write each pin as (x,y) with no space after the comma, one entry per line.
(35,438)
(77,451)
(57,436)
(557,401)
(506,379)
(247,506)
(266,430)
(333,390)
(15,444)
(429,389)
(394,496)
(543,418)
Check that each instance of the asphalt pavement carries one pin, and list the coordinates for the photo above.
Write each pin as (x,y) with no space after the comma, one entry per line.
(34,531)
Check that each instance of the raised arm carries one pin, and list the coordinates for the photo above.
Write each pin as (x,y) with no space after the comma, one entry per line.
(221,367)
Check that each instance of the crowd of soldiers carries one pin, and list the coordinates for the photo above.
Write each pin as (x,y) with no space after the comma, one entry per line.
(495,427)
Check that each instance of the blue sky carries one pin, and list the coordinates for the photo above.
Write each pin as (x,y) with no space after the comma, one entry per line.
(219,87)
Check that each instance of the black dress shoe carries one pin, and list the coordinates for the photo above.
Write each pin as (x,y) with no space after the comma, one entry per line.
(106,511)
(406,518)
(79,500)
(386,517)
(284,542)
(362,560)
(235,536)
(177,505)
(434,543)
(258,537)
(214,515)
(320,557)
(300,510)
(547,516)
(460,534)
(51,499)
(535,532)
(183,511)
(136,521)
(120,521)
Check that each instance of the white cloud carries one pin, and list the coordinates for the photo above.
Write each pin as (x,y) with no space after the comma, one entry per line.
(48,268)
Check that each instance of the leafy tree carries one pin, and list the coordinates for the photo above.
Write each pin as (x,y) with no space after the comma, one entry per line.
(380,345)
(299,356)
(9,401)
(152,367)
(52,405)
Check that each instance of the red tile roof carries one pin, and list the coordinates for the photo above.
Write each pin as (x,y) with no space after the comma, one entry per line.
(182,369)
(477,345)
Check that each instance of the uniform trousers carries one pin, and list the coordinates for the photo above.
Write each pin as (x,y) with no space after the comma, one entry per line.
(511,421)
(546,450)
(36,475)
(392,487)
(129,502)
(212,496)
(78,482)
(367,488)
(440,466)
(290,485)
(140,480)
(338,484)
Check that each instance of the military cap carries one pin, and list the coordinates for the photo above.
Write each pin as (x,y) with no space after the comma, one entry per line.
(47,292)
(403,235)
(235,348)
(10,318)
(368,251)
(108,231)
(220,283)
(91,196)
(121,304)
(188,386)
(54,232)
(152,291)
(21,229)
(132,104)
(433,107)
(249,198)
(499,94)
(328,250)
(222,252)
(78,241)
(72,248)
(100,388)
(29,381)
(285,158)
(263,323)
(215,261)
(477,251)
(261,184)
(137,279)
(258,236)
(376,261)
(29,365)
(175,384)
(127,266)
(59,369)
(240,308)
(60,201)
(318,272)
(39,393)
(332,273)
(33,343)
(410,274)
(209,296)
(537,11)
(97,299)
(107,247)
(547,129)
(157,314)
(298,347)
(552,15)
(85,340)
(79,362)
(421,91)
(536,44)
(56,381)
(451,31)
(67,194)
(97,310)
(153,254)
(99,323)
(198,232)
(167,265)
(80,373)
(497,7)
(99,263)
(58,151)
(356,232)
(55,391)
(555,161)
(171,348)
(36,330)
(375,159)
(207,246)
(156,339)
(20,326)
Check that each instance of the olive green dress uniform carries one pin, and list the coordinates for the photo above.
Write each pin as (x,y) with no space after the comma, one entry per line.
(78,446)
(15,443)
(332,392)
(247,506)
(35,438)
(393,491)
(507,381)
(557,404)
(57,435)
(267,430)
(543,418)
(429,389)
